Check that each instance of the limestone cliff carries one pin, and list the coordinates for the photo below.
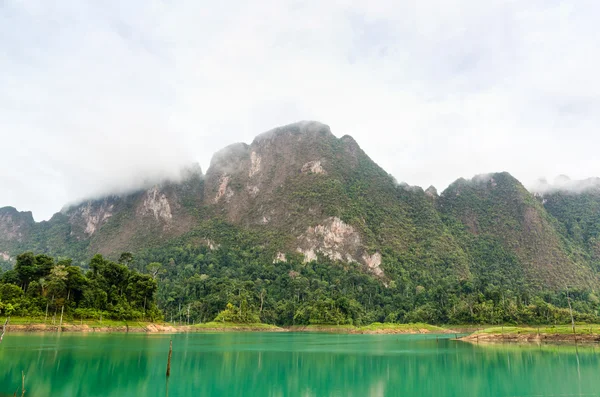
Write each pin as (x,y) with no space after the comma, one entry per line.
(303,194)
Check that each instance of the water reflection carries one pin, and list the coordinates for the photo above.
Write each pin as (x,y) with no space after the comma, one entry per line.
(290,365)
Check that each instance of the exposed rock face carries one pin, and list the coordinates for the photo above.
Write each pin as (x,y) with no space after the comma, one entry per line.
(226,166)
(373,262)
(125,223)
(338,241)
(280,257)
(95,217)
(313,167)
(224,189)
(14,225)
(255,160)
(156,202)
(246,181)
(271,184)
(88,217)
(5,256)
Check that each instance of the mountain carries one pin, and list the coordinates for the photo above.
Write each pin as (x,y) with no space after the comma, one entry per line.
(322,196)
(108,225)
(15,230)
(496,209)
(576,205)
(298,195)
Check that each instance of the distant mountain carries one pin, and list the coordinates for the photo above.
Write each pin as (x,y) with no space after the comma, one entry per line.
(496,211)
(303,193)
(576,205)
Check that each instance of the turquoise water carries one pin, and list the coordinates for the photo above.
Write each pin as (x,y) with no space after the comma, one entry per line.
(290,364)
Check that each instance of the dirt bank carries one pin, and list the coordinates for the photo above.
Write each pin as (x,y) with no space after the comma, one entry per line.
(371,330)
(149,328)
(537,338)
(214,327)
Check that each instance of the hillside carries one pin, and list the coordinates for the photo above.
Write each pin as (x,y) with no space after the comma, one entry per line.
(577,208)
(303,227)
(495,210)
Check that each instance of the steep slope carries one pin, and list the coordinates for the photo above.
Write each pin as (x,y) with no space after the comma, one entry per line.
(320,195)
(303,227)
(15,231)
(576,206)
(108,225)
(496,212)
(298,188)
(142,219)
(304,194)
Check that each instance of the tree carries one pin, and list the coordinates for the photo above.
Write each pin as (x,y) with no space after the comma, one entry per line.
(154,269)
(25,268)
(126,258)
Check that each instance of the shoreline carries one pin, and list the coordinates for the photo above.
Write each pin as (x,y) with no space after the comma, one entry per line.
(530,338)
(588,333)
(166,328)
(523,335)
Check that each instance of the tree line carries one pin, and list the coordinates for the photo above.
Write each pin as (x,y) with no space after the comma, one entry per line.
(195,284)
(40,286)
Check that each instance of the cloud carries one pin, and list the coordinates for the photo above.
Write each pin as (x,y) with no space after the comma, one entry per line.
(563,183)
(96,97)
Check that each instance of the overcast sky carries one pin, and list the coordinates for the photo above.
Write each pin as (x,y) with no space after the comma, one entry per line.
(98,95)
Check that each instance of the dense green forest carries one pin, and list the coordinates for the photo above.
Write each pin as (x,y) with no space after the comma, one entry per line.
(40,286)
(236,282)
(198,281)
(193,284)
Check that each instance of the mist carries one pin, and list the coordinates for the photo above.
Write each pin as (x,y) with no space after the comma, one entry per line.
(101,98)
(563,183)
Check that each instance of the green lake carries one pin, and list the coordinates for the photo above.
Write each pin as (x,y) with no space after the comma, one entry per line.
(291,364)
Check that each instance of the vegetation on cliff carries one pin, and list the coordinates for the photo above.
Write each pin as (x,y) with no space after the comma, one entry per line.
(300,227)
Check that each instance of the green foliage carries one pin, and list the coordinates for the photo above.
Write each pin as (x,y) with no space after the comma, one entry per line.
(200,282)
(240,315)
(108,290)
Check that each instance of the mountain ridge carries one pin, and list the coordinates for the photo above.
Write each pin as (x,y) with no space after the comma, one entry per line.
(303,191)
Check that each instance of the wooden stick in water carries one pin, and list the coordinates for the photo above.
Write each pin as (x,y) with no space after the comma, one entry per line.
(169,361)
(4,328)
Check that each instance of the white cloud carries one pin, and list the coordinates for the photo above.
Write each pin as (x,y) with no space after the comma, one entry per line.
(95,96)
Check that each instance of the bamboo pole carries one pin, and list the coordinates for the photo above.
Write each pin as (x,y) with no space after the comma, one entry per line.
(169,361)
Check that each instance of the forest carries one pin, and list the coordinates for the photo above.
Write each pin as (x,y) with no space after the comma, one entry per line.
(40,286)
(195,284)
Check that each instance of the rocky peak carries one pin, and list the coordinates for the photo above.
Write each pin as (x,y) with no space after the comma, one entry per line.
(431,191)
(86,218)
(155,202)
(301,130)
(240,174)
(14,225)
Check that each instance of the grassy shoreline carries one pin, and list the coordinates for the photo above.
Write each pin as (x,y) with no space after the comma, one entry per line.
(537,334)
(374,328)
(24,324)
(493,334)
